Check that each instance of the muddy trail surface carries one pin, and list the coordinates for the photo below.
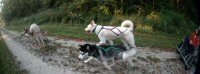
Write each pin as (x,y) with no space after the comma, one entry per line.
(60,56)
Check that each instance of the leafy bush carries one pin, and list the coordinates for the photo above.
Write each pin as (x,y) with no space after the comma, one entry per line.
(167,16)
(170,22)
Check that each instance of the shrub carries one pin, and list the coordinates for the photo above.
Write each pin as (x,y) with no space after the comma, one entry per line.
(170,22)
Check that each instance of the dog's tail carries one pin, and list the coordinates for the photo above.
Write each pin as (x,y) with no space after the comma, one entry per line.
(128,24)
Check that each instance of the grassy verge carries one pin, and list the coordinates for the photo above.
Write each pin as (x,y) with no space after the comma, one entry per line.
(7,61)
(142,39)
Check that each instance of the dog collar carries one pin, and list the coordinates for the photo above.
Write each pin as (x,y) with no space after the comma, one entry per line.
(94,29)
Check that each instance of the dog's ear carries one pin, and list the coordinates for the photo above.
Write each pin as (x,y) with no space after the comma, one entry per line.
(92,22)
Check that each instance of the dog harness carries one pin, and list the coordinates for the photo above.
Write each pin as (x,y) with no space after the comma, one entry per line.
(107,51)
(115,30)
(110,51)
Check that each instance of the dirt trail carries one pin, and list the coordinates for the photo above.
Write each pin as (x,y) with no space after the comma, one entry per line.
(61,57)
(29,61)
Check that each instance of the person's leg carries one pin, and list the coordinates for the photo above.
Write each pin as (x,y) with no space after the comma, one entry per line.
(185,46)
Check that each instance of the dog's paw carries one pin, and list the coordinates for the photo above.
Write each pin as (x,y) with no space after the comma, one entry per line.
(108,67)
(98,44)
(132,65)
(85,61)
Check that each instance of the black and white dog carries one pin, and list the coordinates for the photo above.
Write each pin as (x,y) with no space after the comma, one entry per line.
(104,52)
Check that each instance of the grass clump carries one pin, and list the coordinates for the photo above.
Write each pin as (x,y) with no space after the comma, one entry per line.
(142,58)
(8,64)
(47,49)
(153,59)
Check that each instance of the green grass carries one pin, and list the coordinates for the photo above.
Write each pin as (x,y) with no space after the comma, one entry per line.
(142,58)
(8,64)
(48,49)
(153,59)
(142,38)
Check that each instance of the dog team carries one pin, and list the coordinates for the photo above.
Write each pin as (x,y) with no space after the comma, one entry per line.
(105,34)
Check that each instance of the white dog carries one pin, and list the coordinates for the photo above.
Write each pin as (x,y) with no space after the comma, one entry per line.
(34,30)
(108,33)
